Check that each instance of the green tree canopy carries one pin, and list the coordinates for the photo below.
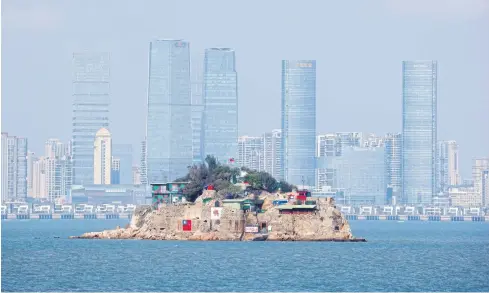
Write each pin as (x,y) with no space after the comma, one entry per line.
(223,178)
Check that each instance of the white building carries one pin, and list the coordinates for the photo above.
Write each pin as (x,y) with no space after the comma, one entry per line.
(102,163)
(480,174)
(326,148)
(54,148)
(31,159)
(464,197)
(250,152)
(136,175)
(272,153)
(14,167)
(447,170)
(39,189)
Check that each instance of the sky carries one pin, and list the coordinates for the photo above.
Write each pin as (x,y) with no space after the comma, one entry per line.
(359,47)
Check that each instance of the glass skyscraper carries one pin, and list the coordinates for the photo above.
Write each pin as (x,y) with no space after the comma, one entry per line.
(299,121)
(220,127)
(360,173)
(90,109)
(419,131)
(168,127)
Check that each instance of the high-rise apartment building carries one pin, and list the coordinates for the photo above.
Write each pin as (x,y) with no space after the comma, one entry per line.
(169,122)
(56,172)
(447,172)
(419,125)
(220,92)
(54,148)
(51,176)
(39,189)
(136,175)
(31,159)
(250,152)
(480,173)
(272,153)
(90,110)
(14,167)
(348,139)
(393,157)
(299,121)
(102,157)
(326,147)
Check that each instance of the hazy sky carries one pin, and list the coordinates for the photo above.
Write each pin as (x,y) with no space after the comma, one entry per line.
(358,45)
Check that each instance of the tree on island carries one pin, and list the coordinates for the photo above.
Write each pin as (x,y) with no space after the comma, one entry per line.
(224,177)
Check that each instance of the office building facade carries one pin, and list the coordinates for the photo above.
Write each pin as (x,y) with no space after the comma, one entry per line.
(419,128)
(361,175)
(220,93)
(168,127)
(299,121)
(91,99)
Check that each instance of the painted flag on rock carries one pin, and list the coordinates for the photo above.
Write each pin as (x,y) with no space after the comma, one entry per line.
(187,225)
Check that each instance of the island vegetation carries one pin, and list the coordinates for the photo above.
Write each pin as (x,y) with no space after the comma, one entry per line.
(227,180)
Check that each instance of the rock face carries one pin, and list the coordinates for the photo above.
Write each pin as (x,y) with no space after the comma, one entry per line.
(326,223)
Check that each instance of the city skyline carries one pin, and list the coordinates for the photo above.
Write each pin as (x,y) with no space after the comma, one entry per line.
(359,76)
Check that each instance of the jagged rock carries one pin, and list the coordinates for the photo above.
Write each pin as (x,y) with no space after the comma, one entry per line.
(325,224)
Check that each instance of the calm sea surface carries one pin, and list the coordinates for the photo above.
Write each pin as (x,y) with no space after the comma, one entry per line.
(409,256)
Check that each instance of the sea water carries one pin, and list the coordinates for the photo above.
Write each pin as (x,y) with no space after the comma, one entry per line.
(409,256)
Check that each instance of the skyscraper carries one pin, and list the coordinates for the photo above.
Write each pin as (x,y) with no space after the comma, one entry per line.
(220,136)
(102,157)
(51,176)
(361,174)
(393,153)
(250,152)
(480,174)
(272,153)
(90,109)
(39,189)
(327,147)
(168,127)
(447,173)
(197,141)
(419,118)
(144,165)
(31,159)
(54,148)
(14,167)
(299,121)
(197,113)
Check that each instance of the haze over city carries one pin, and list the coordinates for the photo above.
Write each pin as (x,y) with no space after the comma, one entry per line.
(358,48)
(351,138)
